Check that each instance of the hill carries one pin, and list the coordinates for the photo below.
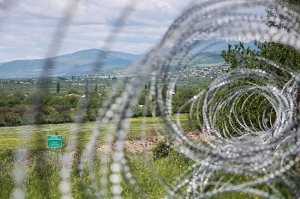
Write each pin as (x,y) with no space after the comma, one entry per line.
(81,62)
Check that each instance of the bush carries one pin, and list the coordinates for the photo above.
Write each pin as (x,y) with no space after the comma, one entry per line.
(70,101)
(13,119)
(73,91)
(162,149)
(2,121)
(138,111)
(28,118)
(91,115)
(40,118)
(66,116)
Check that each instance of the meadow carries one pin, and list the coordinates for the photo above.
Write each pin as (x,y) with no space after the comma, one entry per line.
(43,166)
(43,178)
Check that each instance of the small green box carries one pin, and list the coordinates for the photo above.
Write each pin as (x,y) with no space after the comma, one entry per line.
(54,141)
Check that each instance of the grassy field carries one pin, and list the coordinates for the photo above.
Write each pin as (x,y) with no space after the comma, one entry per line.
(46,176)
(43,169)
(10,136)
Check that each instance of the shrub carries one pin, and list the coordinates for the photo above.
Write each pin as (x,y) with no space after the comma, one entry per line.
(91,115)
(2,121)
(66,116)
(70,101)
(162,149)
(13,119)
(137,111)
(73,91)
(28,118)
(40,118)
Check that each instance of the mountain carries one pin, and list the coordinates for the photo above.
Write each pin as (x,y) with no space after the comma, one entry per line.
(81,62)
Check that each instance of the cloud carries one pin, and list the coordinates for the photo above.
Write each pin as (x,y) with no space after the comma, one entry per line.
(28,26)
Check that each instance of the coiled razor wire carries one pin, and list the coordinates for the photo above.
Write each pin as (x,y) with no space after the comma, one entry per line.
(264,147)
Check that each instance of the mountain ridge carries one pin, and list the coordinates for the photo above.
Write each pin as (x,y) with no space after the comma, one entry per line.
(83,61)
(80,62)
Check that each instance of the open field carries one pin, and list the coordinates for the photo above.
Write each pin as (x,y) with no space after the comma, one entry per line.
(10,136)
(49,169)
(43,169)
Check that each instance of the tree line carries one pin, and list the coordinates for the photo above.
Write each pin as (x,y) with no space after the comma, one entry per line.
(44,107)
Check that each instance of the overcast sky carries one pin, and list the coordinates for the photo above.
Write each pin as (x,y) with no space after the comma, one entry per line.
(27,26)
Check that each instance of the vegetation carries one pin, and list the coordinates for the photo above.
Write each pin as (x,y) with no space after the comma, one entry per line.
(43,168)
(55,108)
(21,104)
(264,58)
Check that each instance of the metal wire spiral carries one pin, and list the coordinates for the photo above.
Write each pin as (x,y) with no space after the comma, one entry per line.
(264,147)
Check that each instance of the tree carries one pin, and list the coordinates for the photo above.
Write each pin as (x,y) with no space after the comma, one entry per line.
(67,116)
(13,119)
(19,94)
(241,57)
(181,97)
(95,100)
(28,118)
(48,99)
(287,57)
(86,88)
(73,91)
(3,91)
(137,111)
(114,78)
(58,87)
(2,120)
(70,101)
(143,97)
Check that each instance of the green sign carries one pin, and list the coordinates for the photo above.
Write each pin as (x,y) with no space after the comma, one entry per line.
(54,141)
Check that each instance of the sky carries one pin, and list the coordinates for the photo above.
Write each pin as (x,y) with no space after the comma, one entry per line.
(27,27)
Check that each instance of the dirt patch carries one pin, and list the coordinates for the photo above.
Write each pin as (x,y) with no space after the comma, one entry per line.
(201,137)
(139,145)
(136,146)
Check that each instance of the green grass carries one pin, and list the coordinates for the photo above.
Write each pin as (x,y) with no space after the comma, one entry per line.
(168,168)
(43,171)
(9,136)
(43,174)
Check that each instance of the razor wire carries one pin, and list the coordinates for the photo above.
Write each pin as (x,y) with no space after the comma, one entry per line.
(264,147)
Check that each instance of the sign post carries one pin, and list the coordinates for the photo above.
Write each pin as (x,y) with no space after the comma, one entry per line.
(54,142)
